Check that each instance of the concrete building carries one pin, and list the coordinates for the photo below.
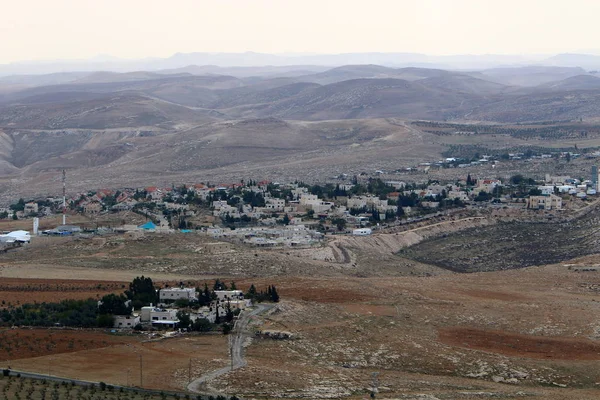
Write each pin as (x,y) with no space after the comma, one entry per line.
(173,294)
(126,321)
(92,207)
(31,208)
(273,204)
(550,202)
(357,202)
(157,314)
(229,295)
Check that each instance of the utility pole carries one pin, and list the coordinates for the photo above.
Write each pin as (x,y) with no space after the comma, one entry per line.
(141,369)
(190,372)
(374,385)
(231,350)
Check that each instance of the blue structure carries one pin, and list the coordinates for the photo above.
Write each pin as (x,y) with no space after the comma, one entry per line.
(148,226)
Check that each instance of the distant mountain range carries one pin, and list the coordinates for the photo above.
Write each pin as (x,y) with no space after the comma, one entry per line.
(297,62)
(115,128)
(348,92)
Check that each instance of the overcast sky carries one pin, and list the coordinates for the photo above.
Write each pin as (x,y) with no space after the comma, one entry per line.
(69,29)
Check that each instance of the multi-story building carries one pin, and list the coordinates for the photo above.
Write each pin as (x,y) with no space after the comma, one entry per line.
(549,202)
(173,294)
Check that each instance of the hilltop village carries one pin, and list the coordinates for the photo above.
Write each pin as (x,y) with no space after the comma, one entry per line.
(298,214)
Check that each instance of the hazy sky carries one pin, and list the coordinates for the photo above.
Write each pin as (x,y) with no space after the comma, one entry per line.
(59,29)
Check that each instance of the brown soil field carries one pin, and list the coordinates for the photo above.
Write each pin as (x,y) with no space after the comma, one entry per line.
(517,345)
(165,363)
(27,343)
(17,291)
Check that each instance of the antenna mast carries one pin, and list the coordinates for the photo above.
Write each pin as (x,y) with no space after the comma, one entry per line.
(374,384)
(64,210)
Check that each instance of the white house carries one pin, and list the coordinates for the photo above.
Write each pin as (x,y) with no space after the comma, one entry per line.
(274,204)
(158,314)
(229,294)
(173,294)
(126,321)
(362,232)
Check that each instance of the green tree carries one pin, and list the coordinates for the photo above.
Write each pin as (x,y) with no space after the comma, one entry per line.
(201,325)
(142,292)
(18,206)
(340,223)
(251,294)
(399,211)
(105,320)
(114,304)
(228,313)
(274,295)
(517,179)
(219,285)
(184,319)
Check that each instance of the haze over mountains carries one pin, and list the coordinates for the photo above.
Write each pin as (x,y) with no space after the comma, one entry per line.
(307,61)
(122,128)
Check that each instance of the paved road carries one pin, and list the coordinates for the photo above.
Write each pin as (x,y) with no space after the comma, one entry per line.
(237,338)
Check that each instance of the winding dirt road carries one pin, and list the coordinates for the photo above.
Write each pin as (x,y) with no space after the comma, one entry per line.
(237,338)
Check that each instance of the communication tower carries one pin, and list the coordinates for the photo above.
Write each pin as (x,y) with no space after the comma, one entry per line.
(64,210)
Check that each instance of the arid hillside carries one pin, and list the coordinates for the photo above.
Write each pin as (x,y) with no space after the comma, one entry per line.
(145,128)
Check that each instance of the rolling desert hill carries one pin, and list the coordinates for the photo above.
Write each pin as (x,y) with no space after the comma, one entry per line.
(529,76)
(349,72)
(105,112)
(224,150)
(107,76)
(349,92)
(247,72)
(362,98)
(175,125)
(158,84)
(578,82)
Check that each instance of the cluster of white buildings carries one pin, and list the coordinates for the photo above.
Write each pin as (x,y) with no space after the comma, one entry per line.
(165,317)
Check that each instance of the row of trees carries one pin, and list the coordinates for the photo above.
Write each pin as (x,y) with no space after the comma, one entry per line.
(75,313)
(269,295)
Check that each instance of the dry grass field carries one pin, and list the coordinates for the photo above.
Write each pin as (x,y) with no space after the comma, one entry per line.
(532,331)
(165,363)
(522,332)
